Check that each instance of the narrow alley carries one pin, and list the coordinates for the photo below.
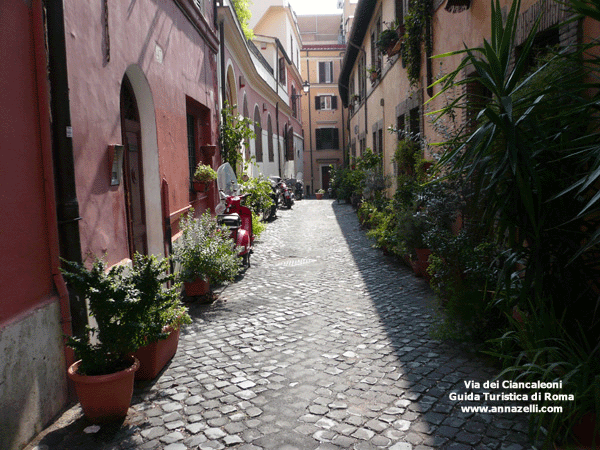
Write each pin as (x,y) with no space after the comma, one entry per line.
(324,343)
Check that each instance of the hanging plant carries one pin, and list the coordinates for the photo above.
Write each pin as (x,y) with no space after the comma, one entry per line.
(417,30)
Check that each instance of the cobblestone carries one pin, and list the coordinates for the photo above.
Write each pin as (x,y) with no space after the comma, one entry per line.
(323,343)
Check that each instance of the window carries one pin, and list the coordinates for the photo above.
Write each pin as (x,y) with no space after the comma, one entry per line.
(375,55)
(362,77)
(400,127)
(289,150)
(326,72)
(327,138)
(401,9)
(294,102)
(200,5)
(191,141)
(326,102)
(282,70)
(414,124)
(258,150)
(375,149)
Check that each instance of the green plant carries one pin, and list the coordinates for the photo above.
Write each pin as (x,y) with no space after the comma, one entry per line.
(542,349)
(242,10)
(258,226)
(234,130)
(204,173)
(321,191)
(406,155)
(259,190)
(130,307)
(387,37)
(417,31)
(205,251)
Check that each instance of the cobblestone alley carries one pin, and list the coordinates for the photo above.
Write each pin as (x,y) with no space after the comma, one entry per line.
(323,344)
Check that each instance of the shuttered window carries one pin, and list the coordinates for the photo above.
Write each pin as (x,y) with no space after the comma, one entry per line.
(326,72)
(327,138)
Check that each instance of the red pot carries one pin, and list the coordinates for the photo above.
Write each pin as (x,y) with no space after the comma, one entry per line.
(199,286)
(104,398)
(154,356)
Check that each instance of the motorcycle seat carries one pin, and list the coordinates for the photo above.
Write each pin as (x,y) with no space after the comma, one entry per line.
(230,220)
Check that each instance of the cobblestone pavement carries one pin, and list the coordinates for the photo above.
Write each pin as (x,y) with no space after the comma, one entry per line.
(323,344)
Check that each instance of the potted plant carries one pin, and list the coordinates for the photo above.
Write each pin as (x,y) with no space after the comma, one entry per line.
(319,194)
(161,313)
(203,177)
(373,73)
(104,374)
(412,227)
(389,41)
(205,253)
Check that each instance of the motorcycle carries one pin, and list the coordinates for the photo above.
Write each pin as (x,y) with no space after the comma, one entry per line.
(285,196)
(297,187)
(232,214)
(288,195)
(275,197)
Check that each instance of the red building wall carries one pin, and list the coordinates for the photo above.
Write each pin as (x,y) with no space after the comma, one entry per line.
(25,278)
(174,62)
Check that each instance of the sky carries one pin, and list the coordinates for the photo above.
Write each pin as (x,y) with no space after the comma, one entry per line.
(303,7)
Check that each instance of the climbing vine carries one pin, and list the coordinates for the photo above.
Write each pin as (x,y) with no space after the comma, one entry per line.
(417,25)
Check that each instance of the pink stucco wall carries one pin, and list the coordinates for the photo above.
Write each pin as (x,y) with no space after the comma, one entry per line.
(157,39)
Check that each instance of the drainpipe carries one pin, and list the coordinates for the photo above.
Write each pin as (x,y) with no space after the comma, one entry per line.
(310,105)
(278,138)
(62,150)
(46,148)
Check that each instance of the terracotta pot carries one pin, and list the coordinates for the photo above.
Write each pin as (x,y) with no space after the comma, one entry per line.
(199,286)
(154,356)
(422,262)
(202,186)
(104,398)
(319,196)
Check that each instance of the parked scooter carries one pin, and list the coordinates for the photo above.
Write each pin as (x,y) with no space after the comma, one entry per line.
(275,197)
(285,196)
(288,195)
(296,186)
(234,215)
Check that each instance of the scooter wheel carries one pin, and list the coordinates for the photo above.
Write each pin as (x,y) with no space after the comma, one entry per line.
(246,260)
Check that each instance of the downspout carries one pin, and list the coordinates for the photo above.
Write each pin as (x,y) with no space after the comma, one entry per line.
(343,130)
(278,138)
(62,150)
(49,194)
(222,62)
(366,115)
(312,177)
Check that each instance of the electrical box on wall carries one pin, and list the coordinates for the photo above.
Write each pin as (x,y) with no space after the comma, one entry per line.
(115,163)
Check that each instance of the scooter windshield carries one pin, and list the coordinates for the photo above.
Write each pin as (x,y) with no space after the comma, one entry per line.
(226,180)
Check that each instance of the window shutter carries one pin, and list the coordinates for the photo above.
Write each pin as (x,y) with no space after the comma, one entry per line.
(317,102)
(322,72)
(334,102)
(336,142)
(290,144)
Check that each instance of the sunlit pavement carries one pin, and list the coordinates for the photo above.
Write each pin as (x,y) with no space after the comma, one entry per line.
(324,343)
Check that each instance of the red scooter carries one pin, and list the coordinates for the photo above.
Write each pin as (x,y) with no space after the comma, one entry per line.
(234,215)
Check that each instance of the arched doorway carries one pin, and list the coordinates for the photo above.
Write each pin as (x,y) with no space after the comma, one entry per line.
(133,171)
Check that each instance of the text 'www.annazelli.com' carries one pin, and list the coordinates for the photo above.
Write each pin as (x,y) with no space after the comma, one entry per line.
(533,408)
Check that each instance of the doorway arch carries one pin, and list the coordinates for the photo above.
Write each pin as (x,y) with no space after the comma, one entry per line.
(149,158)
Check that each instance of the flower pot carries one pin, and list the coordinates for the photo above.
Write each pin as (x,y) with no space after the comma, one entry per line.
(104,398)
(154,356)
(199,286)
(319,196)
(202,186)
(394,48)
(374,76)
(422,262)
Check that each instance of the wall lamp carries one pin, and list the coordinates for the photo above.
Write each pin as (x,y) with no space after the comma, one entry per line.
(305,89)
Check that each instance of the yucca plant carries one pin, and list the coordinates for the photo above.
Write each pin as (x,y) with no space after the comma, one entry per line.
(531,158)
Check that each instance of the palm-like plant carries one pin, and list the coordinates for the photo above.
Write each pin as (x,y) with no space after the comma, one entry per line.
(532,161)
